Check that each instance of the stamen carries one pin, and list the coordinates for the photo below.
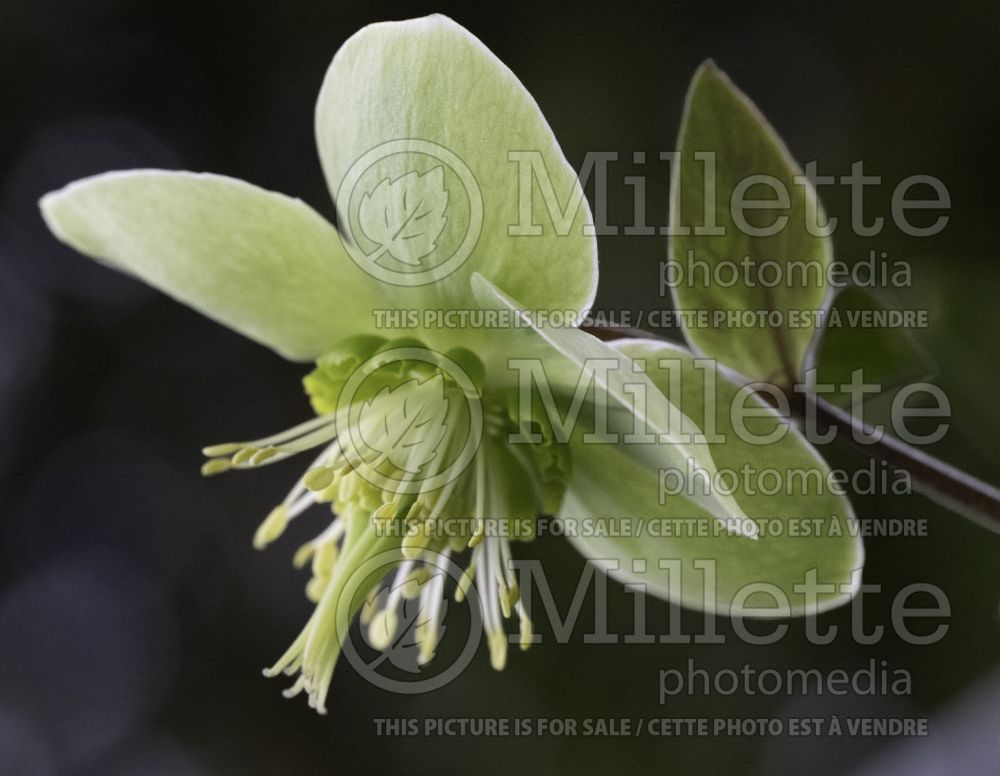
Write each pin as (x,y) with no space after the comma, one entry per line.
(262,456)
(228,448)
(373,603)
(490,602)
(303,554)
(215,466)
(443,498)
(434,600)
(325,557)
(415,583)
(329,453)
(382,629)
(273,526)
(243,456)
(414,542)
(365,512)
(493,547)
(525,626)
(320,478)
(295,689)
(498,650)
(480,508)
(315,588)
(385,513)
(383,625)
(462,588)
(296,508)
(270,449)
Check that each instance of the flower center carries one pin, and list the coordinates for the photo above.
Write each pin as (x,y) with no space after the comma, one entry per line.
(414,460)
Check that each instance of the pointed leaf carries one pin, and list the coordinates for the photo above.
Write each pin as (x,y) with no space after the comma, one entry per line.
(721,128)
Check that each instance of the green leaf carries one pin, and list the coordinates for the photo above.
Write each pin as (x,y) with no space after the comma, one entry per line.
(720,120)
(572,357)
(261,263)
(425,93)
(853,338)
(609,483)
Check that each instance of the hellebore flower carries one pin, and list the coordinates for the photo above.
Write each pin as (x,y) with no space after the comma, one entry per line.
(418,425)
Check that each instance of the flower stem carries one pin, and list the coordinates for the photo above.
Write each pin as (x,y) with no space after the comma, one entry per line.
(941,482)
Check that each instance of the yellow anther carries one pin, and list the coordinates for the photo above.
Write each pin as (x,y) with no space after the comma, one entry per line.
(315,588)
(414,543)
(414,512)
(526,632)
(213,451)
(369,608)
(386,512)
(273,526)
(215,466)
(264,455)
(462,588)
(319,478)
(411,586)
(498,650)
(244,455)
(479,535)
(382,629)
(427,639)
(303,555)
(503,594)
(325,557)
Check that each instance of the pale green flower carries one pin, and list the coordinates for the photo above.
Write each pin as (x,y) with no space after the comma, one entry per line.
(274,270)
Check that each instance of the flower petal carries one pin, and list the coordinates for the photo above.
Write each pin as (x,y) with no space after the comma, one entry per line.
(261,263)
(805,526)
(416,95)
(571,357)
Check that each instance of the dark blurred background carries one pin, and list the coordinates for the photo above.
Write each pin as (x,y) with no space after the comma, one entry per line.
(135,616)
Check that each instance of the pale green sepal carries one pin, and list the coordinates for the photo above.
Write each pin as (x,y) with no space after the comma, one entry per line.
(425,96)
(575,357)
(626,512)
(261,263)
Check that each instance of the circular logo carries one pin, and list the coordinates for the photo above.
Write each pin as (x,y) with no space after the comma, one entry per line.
(411,212)
(395,663)
(415,429)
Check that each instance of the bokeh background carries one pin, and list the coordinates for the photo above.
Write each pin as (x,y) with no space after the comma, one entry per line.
(134,615)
